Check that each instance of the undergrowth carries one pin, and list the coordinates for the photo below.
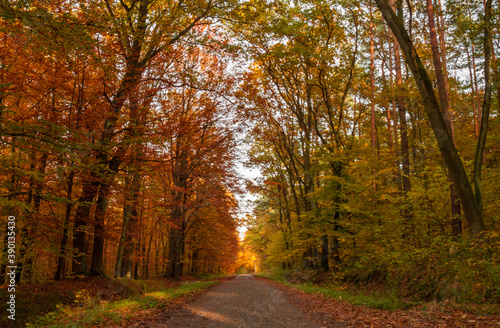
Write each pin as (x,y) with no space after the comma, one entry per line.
(375,299)
(445,270)
(91,311)
(457,273)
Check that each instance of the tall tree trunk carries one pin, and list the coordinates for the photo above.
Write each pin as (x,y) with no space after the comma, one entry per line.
(372,104)
(324,253)
(392,45)
(182,248)
(26,228)
(61,259)
(124,258)
(337,168)
(406,211)
(177,217)
(174,254)
(475,86)
(13,190)
(80,227)
(452,159)
(485,112)
(148,256)
(444,100)
(473,95)
(388,109)
(97,262)
(24,267)
(496,75)
(28,260)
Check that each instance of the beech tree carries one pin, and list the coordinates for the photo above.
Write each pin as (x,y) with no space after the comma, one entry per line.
(89,120)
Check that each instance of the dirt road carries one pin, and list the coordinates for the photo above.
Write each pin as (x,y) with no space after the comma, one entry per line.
(244,302)
(247,302)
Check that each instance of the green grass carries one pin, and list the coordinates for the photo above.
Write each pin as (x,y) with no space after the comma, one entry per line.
(95,312)
(374,300)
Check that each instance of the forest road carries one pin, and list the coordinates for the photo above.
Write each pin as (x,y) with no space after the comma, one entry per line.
(244,302)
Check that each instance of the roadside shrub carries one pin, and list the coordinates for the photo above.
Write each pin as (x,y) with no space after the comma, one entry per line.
(459,271)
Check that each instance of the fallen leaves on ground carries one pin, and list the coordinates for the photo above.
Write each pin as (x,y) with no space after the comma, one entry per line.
(336,313)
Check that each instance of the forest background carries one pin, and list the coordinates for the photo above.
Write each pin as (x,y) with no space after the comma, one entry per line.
(374,125)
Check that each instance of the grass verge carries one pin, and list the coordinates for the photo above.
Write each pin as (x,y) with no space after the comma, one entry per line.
(376,300)
(93,312)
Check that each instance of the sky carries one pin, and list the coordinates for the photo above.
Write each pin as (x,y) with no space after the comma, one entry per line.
(246,199)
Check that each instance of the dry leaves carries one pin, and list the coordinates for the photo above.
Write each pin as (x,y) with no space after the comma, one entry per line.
(334,314)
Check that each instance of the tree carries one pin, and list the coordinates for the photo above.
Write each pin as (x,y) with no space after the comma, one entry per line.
(439,60)
(452,159)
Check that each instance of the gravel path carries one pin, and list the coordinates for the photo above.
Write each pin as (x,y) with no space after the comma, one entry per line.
(244,302)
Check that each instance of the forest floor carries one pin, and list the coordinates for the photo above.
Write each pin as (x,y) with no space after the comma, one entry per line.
(227,302)
(96,301)
(242,302)
(253,302)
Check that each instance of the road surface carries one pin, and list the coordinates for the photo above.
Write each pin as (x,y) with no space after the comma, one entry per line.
(244,302)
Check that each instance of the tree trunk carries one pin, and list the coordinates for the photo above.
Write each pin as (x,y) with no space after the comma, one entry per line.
(372,104)
(388,108)
(452,159)
(148,255)
(61,260)
(89,193)
(444,101)
(392,45)
(97,263)
(12,189)
(485,112)
(124,259)
(406,211)
(173,254)
(324,253)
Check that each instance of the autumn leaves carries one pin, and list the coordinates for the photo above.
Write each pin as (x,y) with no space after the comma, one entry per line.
(118,138)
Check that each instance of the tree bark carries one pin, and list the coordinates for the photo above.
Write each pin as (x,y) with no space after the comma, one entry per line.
(123,266)
(452,159)
(372,103)
(61,260)
(444,100)
(324,253)
(97,262)
(406,211)
(485,112)
(80,227)
(392,44)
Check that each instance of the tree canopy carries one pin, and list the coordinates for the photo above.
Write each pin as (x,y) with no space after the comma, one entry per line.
(374,125)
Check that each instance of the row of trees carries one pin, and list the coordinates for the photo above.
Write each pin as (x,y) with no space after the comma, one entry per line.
(361,107)
(117,142)
(119,120)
